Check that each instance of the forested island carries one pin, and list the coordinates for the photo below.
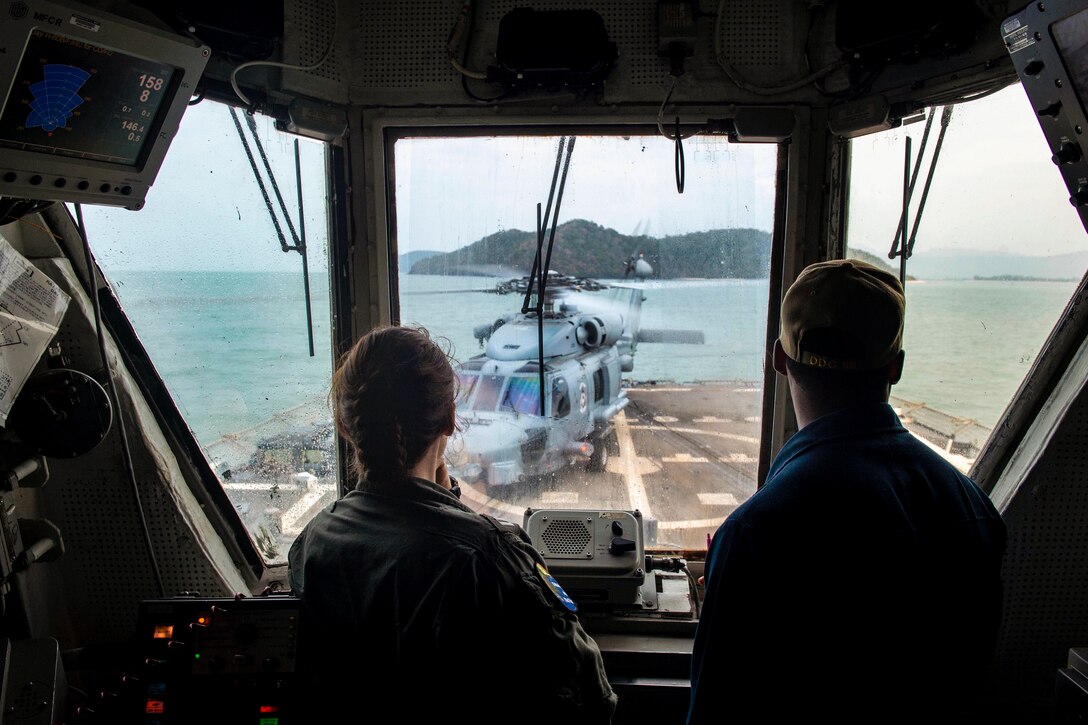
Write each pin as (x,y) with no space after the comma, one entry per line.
(585,249)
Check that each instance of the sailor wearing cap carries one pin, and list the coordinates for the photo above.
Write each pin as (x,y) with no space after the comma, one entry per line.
(862,581)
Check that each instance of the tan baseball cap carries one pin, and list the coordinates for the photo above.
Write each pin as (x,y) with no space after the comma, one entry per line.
(852,300)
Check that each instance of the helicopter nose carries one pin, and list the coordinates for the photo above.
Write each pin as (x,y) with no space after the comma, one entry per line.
(488,451)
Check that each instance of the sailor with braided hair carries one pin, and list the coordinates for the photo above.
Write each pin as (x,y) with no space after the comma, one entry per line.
(412,601)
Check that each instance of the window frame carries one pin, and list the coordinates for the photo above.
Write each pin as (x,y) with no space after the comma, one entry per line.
(204,481)
(793,223)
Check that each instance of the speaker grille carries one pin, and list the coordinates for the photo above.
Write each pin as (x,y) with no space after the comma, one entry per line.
(569,537)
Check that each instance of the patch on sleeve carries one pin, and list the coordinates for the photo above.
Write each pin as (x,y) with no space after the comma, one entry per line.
(557,590)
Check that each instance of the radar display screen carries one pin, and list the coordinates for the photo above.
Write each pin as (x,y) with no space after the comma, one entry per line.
(73,98)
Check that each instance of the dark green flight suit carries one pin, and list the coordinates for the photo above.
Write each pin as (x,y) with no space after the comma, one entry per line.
(439,612)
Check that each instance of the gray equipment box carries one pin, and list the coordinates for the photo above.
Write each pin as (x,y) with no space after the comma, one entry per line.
(596,555)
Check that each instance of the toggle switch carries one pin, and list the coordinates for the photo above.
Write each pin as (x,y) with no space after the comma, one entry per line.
(620,546)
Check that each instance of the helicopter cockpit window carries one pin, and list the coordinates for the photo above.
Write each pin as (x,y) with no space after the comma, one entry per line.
(466,386)
(487,396)
(997,253)
(560,398)
(522,396)
(651,327)
(221,311)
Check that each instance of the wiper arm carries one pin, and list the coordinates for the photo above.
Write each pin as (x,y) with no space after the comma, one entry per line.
(903,245)
(298,239)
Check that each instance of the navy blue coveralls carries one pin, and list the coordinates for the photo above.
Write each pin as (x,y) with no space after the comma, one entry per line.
(862,582)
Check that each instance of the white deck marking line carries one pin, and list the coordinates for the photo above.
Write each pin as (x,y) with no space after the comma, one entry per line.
(518,513)
(709,524)
(685,458)
(636,491)
(559,497)
(252,486)
(717,499)
(665,419)
(658,390)
(700,431)
(738,458)
(289,522)
(712,419)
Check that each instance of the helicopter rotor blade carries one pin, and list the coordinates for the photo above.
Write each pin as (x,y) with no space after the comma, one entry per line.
(489,290)
(676,337)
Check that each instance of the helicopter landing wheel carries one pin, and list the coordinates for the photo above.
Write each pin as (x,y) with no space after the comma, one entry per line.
(601,452)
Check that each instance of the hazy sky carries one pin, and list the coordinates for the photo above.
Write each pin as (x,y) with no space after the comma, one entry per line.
(994,189)
(451,192)
(205,209)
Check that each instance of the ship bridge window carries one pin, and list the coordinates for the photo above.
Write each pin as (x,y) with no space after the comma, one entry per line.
(522,396)
(662,300)
(221,313)
(997,254)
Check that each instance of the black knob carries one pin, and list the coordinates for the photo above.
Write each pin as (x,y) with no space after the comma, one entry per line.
(270,664)
(10,176)
(35,179)
(216,664)
(1052,110)
(617,528)
(60,183)
(1034,67)
(104,188)
(1080,196)
(1067,154)
(242,660)
(83,185)
(620,546)
(126,190)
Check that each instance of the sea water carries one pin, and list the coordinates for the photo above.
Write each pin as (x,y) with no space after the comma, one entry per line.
(232,347)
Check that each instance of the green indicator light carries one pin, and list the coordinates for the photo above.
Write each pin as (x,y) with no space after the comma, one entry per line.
(196,656)
(270,721)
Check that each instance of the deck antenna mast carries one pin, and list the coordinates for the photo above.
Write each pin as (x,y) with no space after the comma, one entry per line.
(299,237)
(902,244)
(541,263)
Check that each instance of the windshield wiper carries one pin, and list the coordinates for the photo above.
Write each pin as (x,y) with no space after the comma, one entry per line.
(539,273)
(299,237)
(902,245)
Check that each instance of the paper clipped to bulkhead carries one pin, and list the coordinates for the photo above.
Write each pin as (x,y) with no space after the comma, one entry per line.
(31,308)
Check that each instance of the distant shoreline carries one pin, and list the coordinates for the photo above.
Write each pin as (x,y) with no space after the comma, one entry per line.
(1022,278)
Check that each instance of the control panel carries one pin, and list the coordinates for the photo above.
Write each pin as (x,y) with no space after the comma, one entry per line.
(1048,45)
(217,660)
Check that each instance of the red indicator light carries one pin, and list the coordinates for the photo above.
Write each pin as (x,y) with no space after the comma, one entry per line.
(201,620)
(269,709)
(163,631)
(155,707)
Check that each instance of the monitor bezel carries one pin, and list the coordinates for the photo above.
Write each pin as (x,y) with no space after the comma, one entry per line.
(35,174)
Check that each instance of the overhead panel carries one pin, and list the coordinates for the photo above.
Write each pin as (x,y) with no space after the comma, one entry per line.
(308,28)
(379,67)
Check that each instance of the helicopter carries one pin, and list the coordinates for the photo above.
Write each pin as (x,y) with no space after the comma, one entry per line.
(544,393)
(528,410)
